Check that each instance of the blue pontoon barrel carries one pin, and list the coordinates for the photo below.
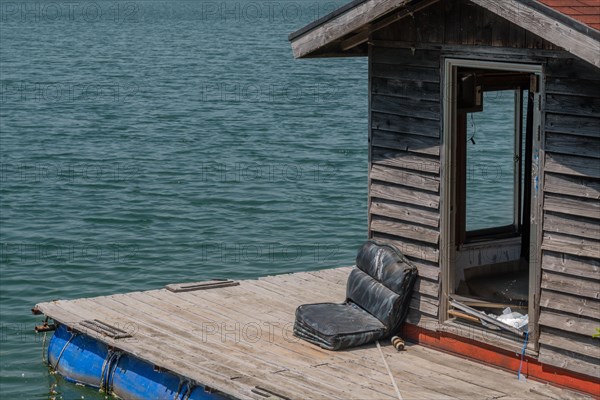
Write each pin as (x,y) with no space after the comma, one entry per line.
(85,360)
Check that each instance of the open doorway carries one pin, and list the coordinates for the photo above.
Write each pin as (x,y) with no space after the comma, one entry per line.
(490,195)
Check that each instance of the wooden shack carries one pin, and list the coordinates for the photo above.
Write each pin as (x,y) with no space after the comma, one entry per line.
(523,77)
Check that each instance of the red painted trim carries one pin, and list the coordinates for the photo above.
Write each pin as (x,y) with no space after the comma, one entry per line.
(491,355)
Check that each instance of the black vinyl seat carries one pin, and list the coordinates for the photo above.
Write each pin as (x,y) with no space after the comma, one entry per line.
(314,323)
(377,297)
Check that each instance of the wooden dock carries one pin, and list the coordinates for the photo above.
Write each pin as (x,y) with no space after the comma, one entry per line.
(238,340)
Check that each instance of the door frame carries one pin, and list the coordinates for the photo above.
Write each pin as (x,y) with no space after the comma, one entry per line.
(448,186)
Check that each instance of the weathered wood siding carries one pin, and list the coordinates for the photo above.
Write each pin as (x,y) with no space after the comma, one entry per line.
(405,123)
(405,163)
(461,22)
(570,286)
(405,146)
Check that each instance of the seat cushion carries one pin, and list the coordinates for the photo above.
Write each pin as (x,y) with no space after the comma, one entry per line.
(373,297)
(384,263)
(336,326)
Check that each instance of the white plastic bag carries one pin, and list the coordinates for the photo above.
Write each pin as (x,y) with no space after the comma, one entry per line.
(514,319)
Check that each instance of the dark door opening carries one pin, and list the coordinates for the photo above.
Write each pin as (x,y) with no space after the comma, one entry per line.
(494,133)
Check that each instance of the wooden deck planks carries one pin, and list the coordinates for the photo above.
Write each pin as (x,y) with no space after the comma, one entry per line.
(151,348)
(189,339)
(211,336)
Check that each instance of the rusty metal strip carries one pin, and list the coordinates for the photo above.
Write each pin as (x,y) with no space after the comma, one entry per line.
(105,329)
(268,394)
(212,284)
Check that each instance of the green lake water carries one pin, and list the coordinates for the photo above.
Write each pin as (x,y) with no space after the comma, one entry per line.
(146,142)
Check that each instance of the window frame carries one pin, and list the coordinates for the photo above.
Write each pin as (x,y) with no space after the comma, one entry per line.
(514,229)
(448,240)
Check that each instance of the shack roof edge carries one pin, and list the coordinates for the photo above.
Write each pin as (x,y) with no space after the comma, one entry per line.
(355,16)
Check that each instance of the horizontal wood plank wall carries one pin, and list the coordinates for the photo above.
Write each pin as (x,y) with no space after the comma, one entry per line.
(405,164)
(406,114)
(570,298)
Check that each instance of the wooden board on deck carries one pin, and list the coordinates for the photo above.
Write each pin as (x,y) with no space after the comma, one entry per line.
(235,339)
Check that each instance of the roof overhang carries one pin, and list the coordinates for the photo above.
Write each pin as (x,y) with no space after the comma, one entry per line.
(346,31)
(339,33)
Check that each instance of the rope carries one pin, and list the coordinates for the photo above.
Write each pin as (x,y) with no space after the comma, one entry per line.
(108,368)
(181,383)
(111,375)
(389,372)
(522,355)
(44,348)
(188,393)
(73,334)
(104,367)
(188,384)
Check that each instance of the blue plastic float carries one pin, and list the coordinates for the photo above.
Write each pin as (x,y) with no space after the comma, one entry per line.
(87,361)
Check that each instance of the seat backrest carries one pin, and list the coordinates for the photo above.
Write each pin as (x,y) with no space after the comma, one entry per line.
(382,283)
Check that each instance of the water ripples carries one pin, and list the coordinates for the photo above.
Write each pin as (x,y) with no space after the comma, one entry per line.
(167,149)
